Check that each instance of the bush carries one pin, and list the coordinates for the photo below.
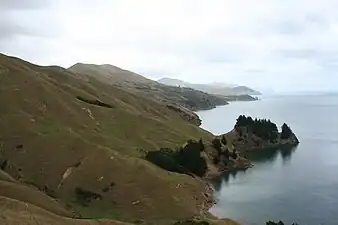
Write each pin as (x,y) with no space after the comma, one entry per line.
(216,143)
(185,160)
(279,223)
(200,142)
(190,157)
(215,160)
(84,197)
(4,164)
(94,102)
(165,158)
(192,222)
(224,140)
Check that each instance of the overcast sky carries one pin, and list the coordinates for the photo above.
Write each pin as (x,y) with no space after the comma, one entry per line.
(285,45)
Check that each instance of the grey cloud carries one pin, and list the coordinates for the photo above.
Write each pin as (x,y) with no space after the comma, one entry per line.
(23,4)
(246,48)
(10,27)
(26,23)
(255,71)
(298,53)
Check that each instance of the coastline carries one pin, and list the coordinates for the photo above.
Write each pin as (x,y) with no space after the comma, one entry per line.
(241,144)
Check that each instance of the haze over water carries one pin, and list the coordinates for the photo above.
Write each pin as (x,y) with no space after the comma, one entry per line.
(294,185)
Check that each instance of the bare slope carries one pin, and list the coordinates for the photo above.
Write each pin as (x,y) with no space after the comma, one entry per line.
(79,140)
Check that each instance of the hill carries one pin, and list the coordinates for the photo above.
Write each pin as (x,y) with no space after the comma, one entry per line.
(75,149)
(212,88)
(128,81)
(73,143)
(57,137)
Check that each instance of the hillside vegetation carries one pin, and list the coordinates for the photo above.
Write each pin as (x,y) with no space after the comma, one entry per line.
(57,136)
(78,148)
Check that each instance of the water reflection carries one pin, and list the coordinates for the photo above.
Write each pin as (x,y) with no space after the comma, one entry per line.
(266,156)
(270,155)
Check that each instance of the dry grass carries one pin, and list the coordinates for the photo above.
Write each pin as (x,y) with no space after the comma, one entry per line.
(45,131)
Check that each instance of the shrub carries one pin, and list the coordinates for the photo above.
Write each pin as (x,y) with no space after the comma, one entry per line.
(224,140)
(279,223)
(190,157)
(4,164)
(185,160)
(192,222)
(216,143)
(216,160)
(84,197)
(200,142)
(94,102)
(165,158)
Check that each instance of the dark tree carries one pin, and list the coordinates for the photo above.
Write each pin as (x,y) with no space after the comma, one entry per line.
(224,140)
(262,128)
(286,131)
(190,157)
(279,223)
(200,142)
(216,143)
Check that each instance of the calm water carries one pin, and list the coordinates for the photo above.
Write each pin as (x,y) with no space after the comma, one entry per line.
(295,185)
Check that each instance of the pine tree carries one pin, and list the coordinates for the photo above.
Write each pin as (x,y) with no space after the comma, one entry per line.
(286,131)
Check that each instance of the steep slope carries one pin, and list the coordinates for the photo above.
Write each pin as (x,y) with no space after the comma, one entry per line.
(180,96)
(79,140)
(212,88)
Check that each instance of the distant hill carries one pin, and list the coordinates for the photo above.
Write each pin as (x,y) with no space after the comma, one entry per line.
(213,88)
(186,97)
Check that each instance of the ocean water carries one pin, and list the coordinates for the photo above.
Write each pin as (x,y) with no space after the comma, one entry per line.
(293,185)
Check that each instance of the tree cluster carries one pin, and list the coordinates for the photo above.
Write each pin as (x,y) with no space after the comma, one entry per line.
(279,223)
(262,128)
(185,160)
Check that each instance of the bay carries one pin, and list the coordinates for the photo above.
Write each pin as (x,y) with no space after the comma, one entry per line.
(294,185)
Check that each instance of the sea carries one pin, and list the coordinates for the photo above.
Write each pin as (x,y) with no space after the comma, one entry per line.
(295,185)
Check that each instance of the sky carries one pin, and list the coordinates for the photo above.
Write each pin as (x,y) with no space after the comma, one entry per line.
(270,45)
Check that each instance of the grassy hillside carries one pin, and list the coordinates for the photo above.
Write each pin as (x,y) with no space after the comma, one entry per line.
(79,140)
(135,83)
